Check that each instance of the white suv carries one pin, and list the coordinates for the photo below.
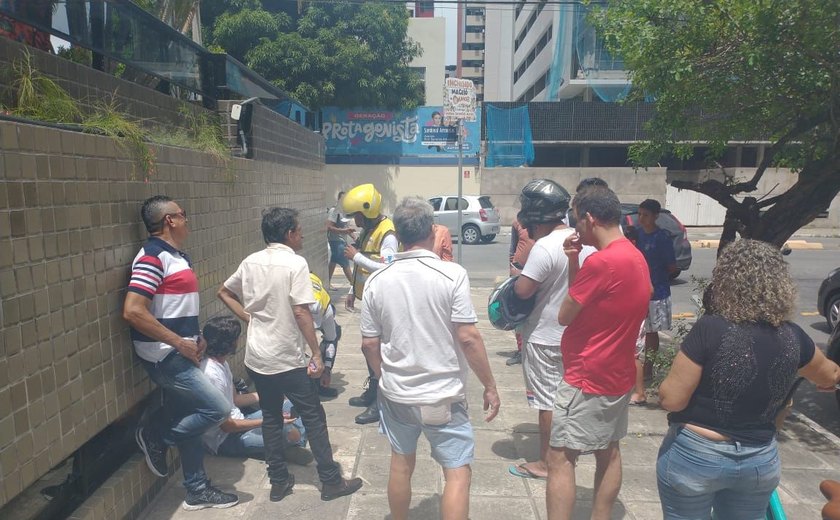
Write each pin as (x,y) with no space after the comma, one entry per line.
(480,219)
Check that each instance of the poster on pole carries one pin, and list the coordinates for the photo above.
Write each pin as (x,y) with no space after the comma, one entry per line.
(458,100)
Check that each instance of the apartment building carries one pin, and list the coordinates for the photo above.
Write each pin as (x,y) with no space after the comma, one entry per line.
(430,33)
(557,55)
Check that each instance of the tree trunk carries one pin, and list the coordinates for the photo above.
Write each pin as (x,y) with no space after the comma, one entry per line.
(816,187)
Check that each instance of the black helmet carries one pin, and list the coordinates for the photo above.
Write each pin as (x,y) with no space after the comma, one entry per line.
(543,200)
(506,310)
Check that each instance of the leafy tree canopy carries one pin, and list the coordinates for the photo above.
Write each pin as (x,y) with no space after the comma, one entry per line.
(342,53)
(734,70)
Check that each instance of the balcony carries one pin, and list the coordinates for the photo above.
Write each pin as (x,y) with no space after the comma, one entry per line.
(472,55)
(472,37)
(475,20)
(472,72)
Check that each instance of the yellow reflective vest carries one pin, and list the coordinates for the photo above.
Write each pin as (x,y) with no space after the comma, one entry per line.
(321,294)
(370,246)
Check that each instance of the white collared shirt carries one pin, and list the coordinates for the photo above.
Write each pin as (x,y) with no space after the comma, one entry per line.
(412,306)
(269,283)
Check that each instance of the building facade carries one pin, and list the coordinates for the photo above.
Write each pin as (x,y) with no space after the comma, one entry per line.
(557,55)
(430,33)
(471,46)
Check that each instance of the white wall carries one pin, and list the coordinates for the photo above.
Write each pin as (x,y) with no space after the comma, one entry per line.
(430,33)
(498,53)
(547,18)
(396,182)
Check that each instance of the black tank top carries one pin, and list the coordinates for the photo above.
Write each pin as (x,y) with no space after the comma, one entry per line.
(748,369)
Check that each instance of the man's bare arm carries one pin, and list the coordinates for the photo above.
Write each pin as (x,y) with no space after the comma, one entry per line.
(469,338)
(303,318)
(136,312)
(240,425)
(231,301)
(372,349)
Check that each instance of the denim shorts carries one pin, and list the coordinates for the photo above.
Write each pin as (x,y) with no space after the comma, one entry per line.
(337,253)
(696,475)
(452,443)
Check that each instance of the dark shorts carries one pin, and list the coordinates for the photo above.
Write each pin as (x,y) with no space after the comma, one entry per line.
(337,253)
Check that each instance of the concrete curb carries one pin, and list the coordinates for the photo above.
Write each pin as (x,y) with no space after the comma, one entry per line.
(792,244)
(799,416)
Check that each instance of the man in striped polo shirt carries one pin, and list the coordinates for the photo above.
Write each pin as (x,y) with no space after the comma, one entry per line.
(161,305)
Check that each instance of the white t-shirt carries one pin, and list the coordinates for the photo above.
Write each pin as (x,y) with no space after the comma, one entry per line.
(269,283)
(411,306)
(549,265)
(220,375)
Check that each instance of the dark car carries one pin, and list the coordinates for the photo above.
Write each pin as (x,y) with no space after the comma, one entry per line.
(828,298)
(832,352)
(666,221)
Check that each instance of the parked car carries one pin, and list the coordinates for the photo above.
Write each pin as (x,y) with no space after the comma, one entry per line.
(828,298)
(666,221)
(832,352)
(480,220)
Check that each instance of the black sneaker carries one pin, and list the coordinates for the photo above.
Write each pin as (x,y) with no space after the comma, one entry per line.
(154,449)
(343,488)
(370,415)
(281,491)
(368,396)
(209,497)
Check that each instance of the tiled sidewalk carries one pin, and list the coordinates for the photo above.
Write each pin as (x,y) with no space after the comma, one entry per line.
(808,457)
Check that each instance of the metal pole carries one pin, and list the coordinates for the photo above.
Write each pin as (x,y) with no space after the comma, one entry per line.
(460,187)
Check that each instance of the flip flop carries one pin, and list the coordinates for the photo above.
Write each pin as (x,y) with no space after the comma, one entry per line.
(523,472)
(633,402)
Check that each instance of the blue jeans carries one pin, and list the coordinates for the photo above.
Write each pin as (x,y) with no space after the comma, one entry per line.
(696,475)
(251,444)
(192,406)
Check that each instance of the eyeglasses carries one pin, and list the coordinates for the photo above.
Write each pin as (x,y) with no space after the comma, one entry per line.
(182,214)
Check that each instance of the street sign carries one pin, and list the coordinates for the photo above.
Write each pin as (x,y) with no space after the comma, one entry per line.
(458,100)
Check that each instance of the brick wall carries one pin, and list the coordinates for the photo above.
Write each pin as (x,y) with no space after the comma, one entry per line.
(69,228)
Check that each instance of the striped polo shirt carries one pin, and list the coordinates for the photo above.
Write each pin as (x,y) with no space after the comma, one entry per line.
(164,275)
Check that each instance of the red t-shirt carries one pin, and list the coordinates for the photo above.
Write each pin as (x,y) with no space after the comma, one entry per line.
(613,288)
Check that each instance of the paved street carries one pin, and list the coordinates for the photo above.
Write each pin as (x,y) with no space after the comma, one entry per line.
(808,457)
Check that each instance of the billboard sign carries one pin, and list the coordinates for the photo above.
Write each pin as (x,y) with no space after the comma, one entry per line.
(458,99)
(391,136)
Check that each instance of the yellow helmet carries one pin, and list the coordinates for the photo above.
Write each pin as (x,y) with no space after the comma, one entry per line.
(362,199)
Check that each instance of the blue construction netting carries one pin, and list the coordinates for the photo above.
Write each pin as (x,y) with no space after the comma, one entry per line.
(560,62)
(509,141)
(580,53)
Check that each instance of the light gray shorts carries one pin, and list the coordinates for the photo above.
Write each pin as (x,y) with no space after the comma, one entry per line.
(543,369)
(587,422)
(659,315)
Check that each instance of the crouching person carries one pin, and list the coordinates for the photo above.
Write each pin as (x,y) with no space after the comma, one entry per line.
(240,435)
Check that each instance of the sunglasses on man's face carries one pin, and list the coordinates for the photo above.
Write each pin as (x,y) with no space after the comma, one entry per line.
(182,214)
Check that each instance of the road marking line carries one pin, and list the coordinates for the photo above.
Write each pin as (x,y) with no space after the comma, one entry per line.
(810,313)
(682,315)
